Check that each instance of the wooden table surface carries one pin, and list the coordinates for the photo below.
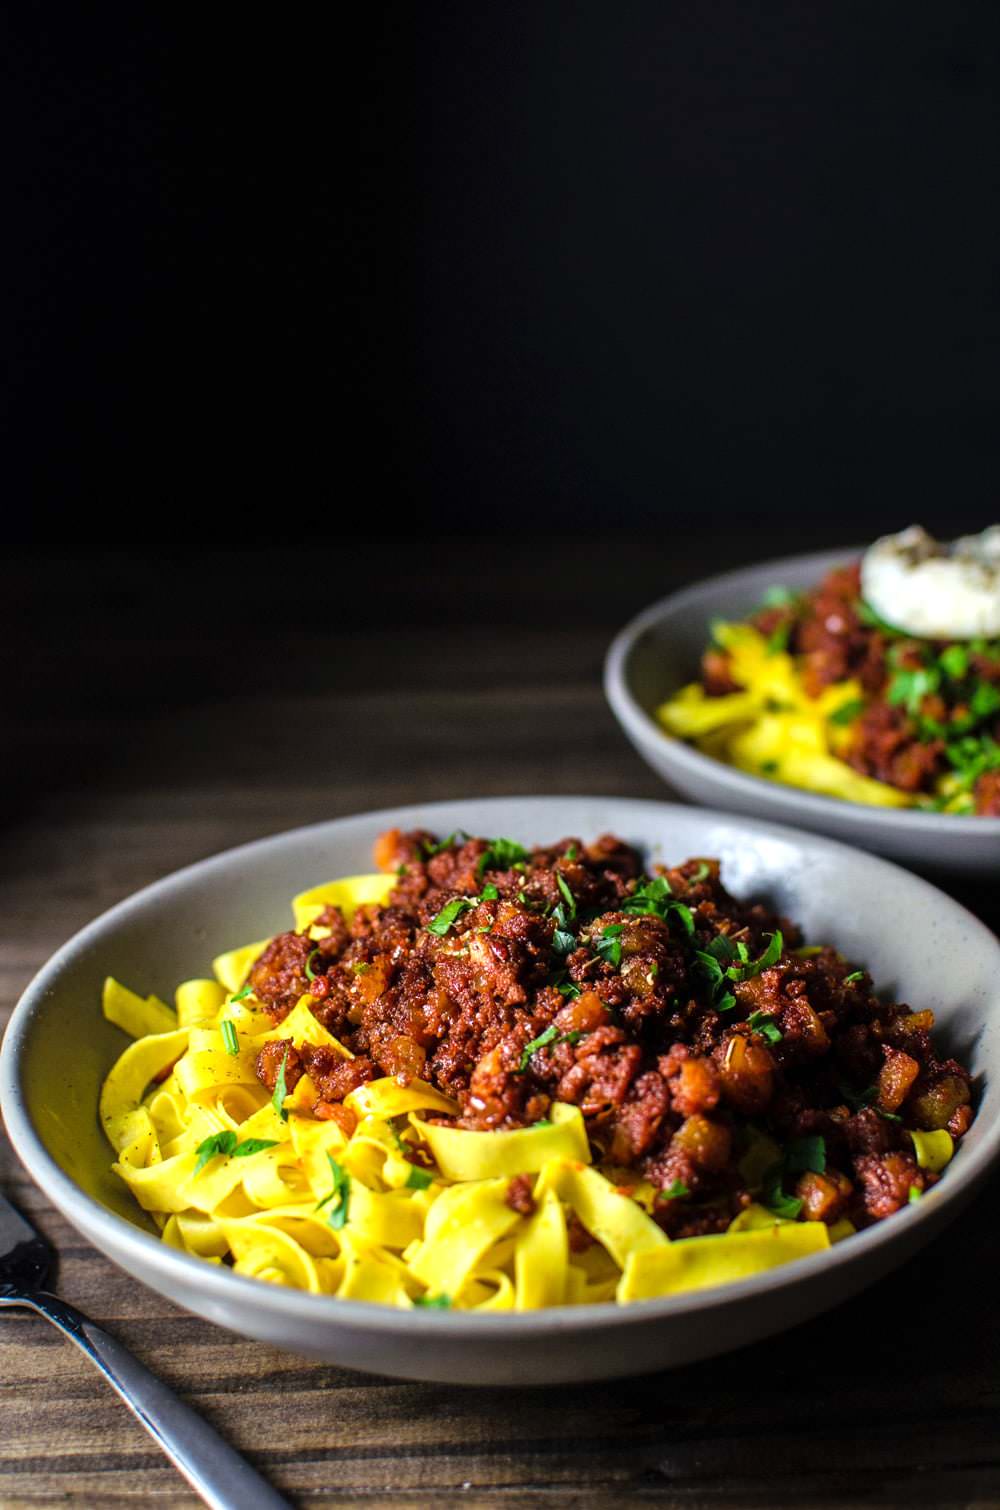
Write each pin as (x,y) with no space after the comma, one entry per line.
(164,705)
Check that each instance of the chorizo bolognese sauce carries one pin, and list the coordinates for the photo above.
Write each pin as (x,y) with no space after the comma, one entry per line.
(817,690)
(711,1053)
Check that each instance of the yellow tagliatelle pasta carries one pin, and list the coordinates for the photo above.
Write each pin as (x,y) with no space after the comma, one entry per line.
(406,1209)
(772,727)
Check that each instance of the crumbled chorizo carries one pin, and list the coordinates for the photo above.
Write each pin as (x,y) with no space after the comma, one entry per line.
(512,978)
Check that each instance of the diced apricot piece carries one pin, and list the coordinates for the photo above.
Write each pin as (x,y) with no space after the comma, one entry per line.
(706,1143)
(747,1075)
(895,1079)
(935,1107)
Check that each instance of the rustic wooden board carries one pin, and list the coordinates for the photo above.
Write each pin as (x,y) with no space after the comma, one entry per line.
(159,710)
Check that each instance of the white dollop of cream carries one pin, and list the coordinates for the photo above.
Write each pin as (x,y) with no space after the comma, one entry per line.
(934,590)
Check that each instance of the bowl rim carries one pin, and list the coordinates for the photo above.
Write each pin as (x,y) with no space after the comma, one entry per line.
(643,728)
(119,1238)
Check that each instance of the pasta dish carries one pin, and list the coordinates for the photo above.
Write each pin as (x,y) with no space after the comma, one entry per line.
(489,1077)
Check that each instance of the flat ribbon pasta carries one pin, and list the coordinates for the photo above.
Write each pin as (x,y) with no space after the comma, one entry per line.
(404,1209)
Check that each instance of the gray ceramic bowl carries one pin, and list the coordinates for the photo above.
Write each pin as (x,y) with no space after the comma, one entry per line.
(659,651)
(920,946)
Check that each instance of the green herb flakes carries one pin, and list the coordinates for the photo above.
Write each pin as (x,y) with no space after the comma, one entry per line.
(210,1148)
(253,1145)
(563,942)
(502,854)
(567,896)
(764,1024)
(419,1179)
(549,1036)
(676,1191)
(848,712)
(281,1090)
(806,1153)
(440,924)
(954,662)
(226,1143)
(339,1197)
(229,1038)
(773,1194)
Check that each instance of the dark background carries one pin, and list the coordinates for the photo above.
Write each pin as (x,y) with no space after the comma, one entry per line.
(453,268)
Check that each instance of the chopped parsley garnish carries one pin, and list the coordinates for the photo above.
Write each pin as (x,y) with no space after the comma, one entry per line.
(568,898)
(800,1154)
(654,898)
(419,1179)
(339,1197)
(856,1100)
(359,966)
(563,942)
(724,961)
(854,975)
(701,874)
(909,688)
(440,1302)
(915,1195)
(210,1148)
(489,892)
(806,1153)
(770,957)
(229,1037)
(764,1024)
(568,989)
(549,1036)
(849,711)
(985,700)
(779,596)
(571,853)
(649,898)
(242,995)
(609,946)
(448,914)
(502,854)
(281,1090)
(684,916)
(675,1192)
(226,1143)
(310,972)
(773,1194)
(954,662)
(430,850)
(777,640)
(862,1100)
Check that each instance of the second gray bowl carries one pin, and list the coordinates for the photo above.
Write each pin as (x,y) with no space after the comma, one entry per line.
(660,650)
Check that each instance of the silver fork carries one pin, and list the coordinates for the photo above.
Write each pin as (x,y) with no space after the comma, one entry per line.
(224,1480)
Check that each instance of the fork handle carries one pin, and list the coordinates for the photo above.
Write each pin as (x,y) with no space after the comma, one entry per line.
(214,1470)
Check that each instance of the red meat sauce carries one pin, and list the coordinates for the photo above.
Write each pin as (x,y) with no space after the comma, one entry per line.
(544,982)
(824,626)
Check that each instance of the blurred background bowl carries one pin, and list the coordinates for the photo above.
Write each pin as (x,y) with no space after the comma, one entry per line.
(660,650)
